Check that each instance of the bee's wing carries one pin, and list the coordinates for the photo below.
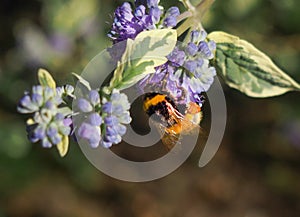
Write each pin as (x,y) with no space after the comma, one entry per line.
(189,128)
(170,139)
(158,126)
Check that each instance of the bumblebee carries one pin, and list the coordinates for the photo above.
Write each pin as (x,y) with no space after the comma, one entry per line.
(171,123)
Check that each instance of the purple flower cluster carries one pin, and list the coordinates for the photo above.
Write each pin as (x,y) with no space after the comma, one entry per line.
(145,15)
(187,73)
(116,114)
(103,119)
(47,124)
(90,127)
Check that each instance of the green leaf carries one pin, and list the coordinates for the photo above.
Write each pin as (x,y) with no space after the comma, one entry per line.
(63,146)
(46,79)
(117,78)
(133,75)
(153,43)
(148,50)
(247,69)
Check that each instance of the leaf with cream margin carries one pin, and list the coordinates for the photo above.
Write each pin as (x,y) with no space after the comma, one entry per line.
(147,51)
(247,69)
(45,79)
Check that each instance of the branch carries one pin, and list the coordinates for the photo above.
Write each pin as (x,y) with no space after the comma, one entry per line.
(194,15)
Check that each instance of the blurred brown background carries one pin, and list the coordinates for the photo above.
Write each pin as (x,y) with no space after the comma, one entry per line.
(255,173)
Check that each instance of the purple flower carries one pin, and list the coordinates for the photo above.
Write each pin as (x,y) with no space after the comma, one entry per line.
(116,114)
(94,97)
(50,131)
(174,89)
(95,119)
(155,14)
(164,82)
(173,11)
(197,36)
(204,50)
(90,133)
(145,15)
(90,128)
(127,24)
(152,3)
(190,65)
(26,105)
(140,11)
(170,22)
(104,118)
(33,102)
(187,73)
(47,123)
(84,105)
(171,17)
(191,49)
(177,57)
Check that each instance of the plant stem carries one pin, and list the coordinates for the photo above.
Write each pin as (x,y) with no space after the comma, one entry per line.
(184,26)
(184,15)
(194,15)
(188,5)
(202,7)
